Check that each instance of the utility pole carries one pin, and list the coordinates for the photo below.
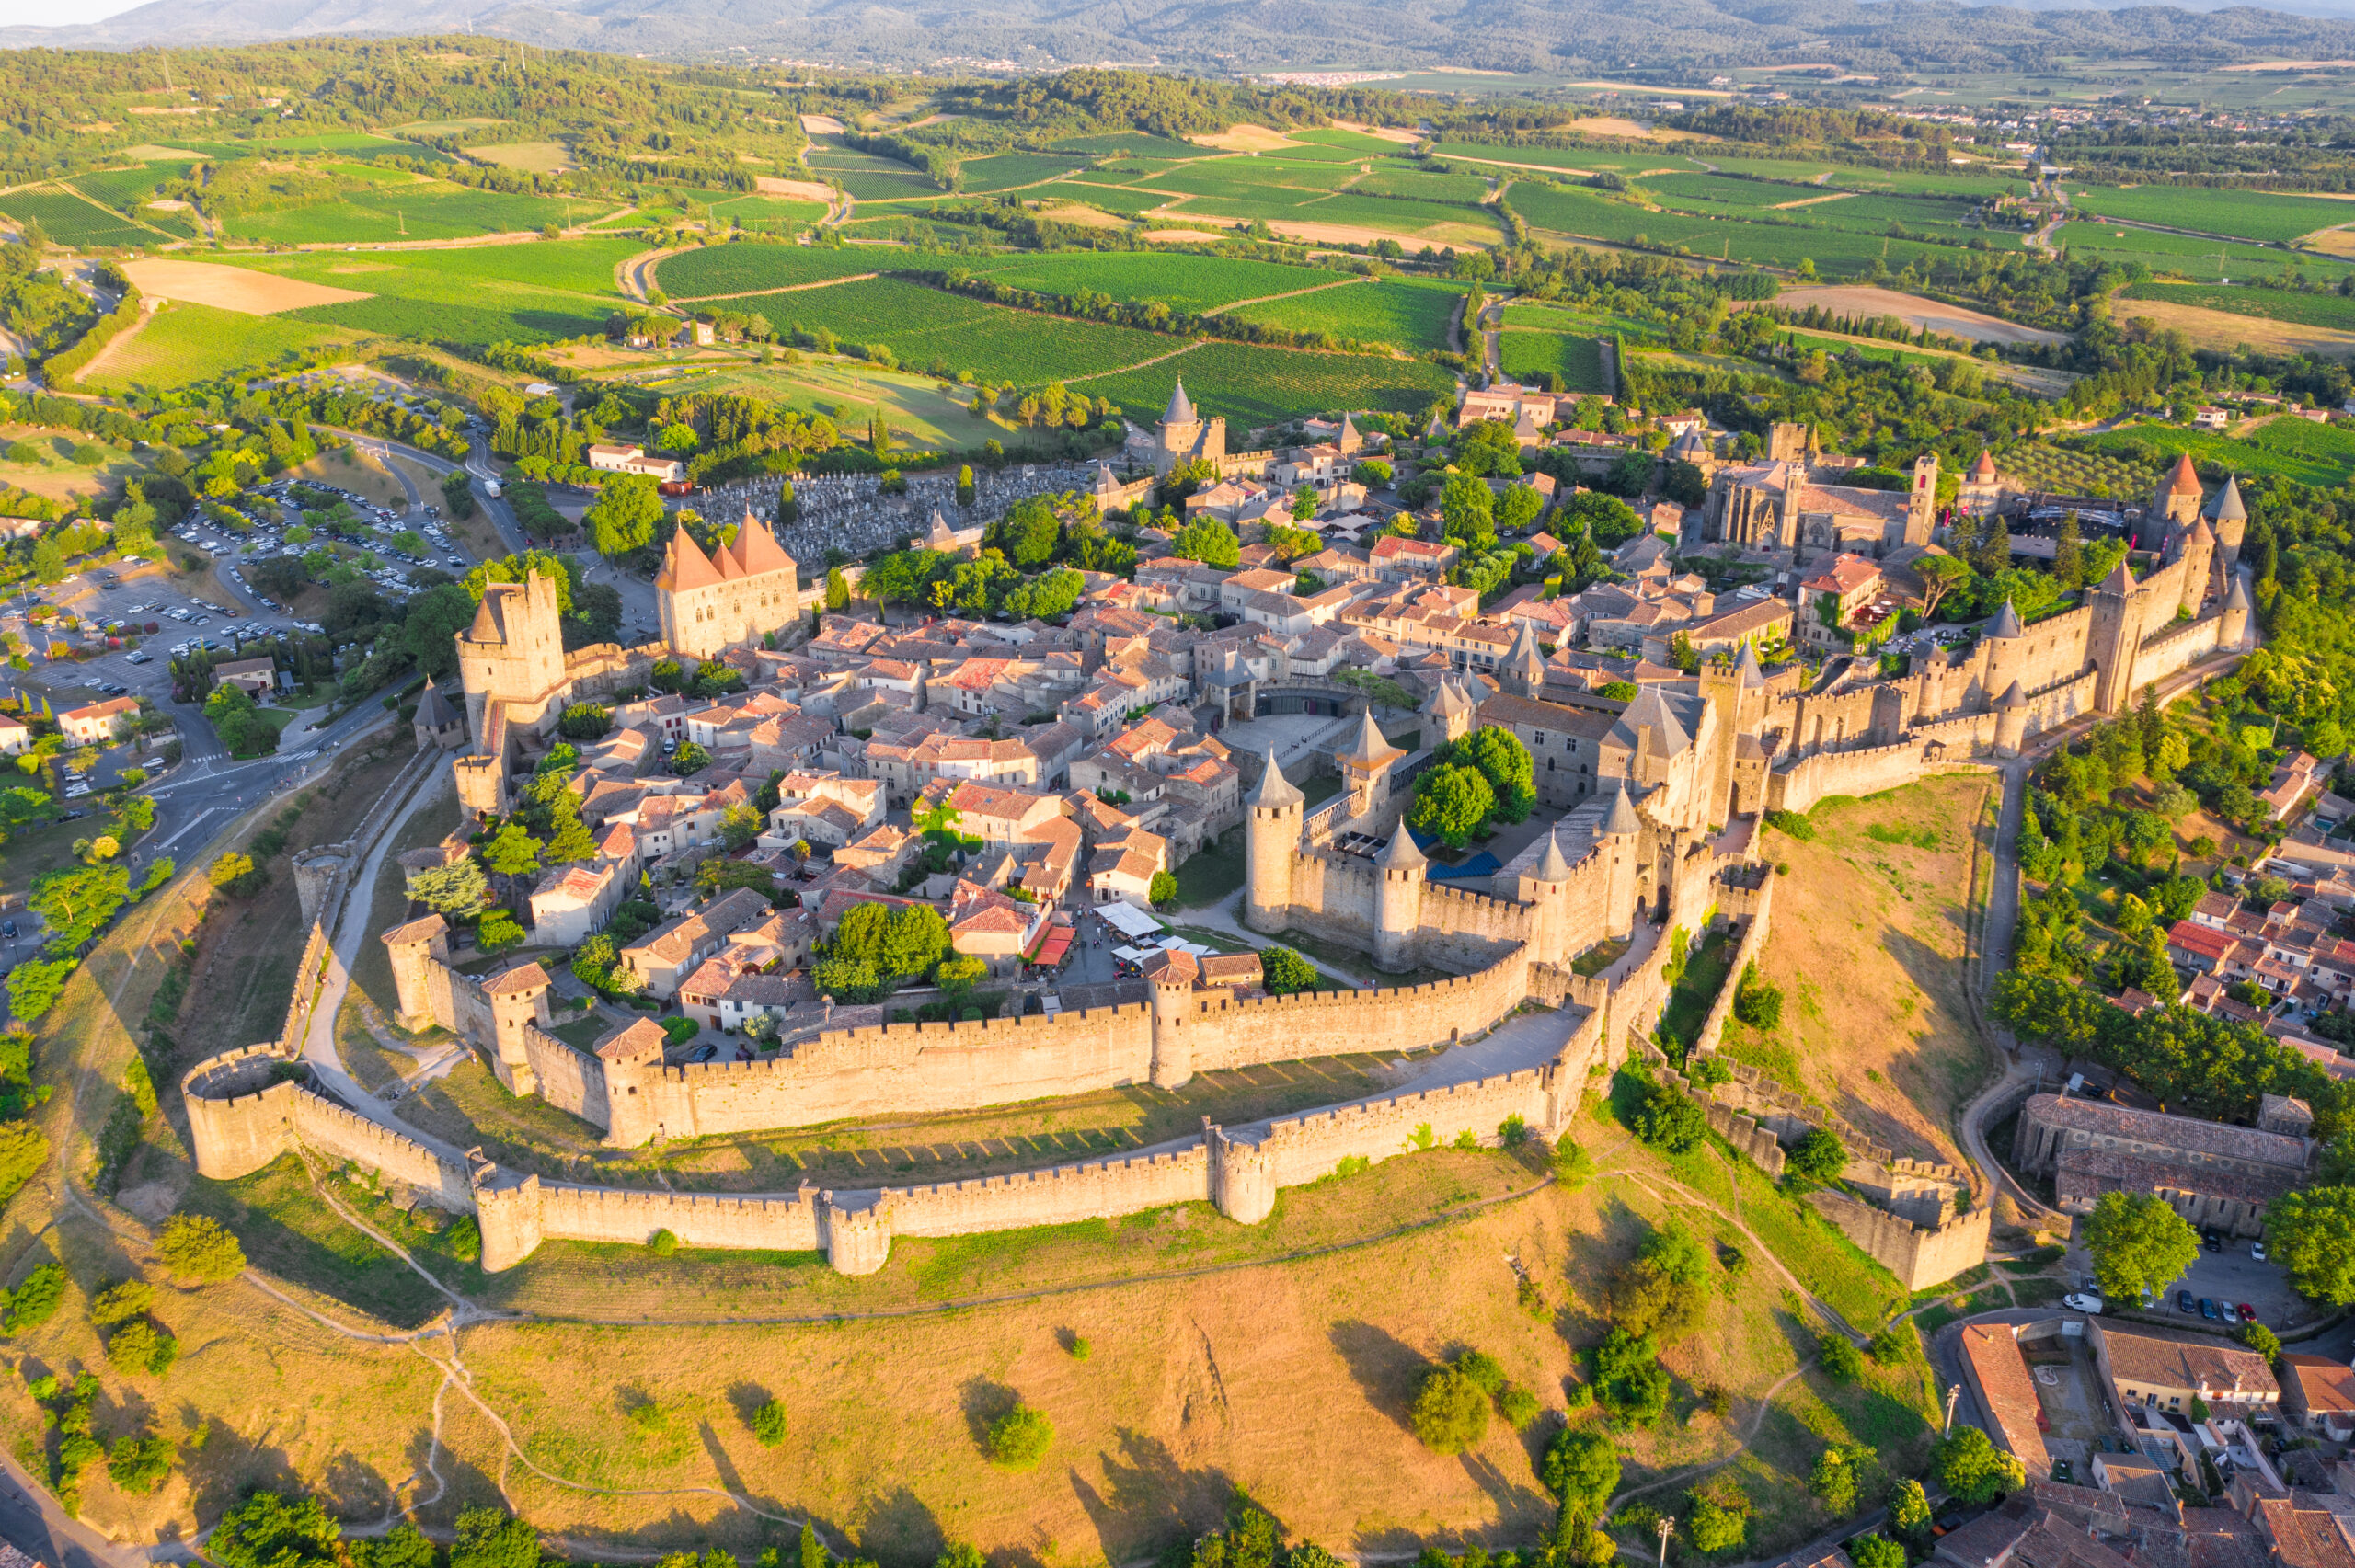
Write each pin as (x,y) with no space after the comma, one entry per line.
(1954,1393)
(1667,1528)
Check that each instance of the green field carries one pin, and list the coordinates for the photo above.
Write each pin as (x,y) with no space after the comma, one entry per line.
(1126,203)
(1009,169)
(519,293)
(1544,317)
(2311,455)
(124,189)
(350,143)
(746,268)
(1577,360)
(1850,348)
(2205,259)
(1836,252)
(1409,316)
(1252,386)
(769,214)
(1356,142)
(1262,180)
(1181,281)
(184,344)
(412,209)
(866,178)
(69,220)
(2245,214)
(929,326)
(2305,308)
(1449,189)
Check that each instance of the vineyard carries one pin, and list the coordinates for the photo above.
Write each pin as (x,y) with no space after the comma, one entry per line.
(2324,458)
(719,270)
(1409,316)
(2244,214)
(2301,306)
(1836,252)
(931,328)
(2204,260)
(1008,171)
(1252,386)
(1577,360)
(1191,284)
(69,220)
(184,345)
(516,294)
(412,209)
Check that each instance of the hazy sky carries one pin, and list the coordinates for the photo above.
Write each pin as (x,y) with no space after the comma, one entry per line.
(59,13)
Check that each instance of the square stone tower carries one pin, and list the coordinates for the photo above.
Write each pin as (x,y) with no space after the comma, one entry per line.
(513,655)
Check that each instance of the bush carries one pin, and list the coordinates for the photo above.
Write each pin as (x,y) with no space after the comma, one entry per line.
(768,1424)
(35,1301)
(195,1246)
(1450,1411)
(1669,1122)
(1483,1369)
(1839,1356)
(663,1243)
(1520,1407)
(1755,1003)
(120,1303)
(1712,1527)
(1019,1438)
(1791,823)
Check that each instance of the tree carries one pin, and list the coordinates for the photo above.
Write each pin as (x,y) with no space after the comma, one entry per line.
(1209,540)
(1875,1552)
(1451,801)
(1909,1509)
(1660,1292)
(1834,1482)
(1630,1381)
(268,1531)
(1469,507)
(1506,763)
(492,1538)
(512,851)
(196,1246)
(2139,1244)
(1581,1469)
(2312,1235)
(624,516)
(1816,1160)
(1284,971)
(1669,1122)
(959,976)
(1163,892)
(689,760)
(2262,1340)
(120,1303)
(1712,1527)
(136,1347)
(1940,575)
(428,630)
(1755,1003)
(1017,1440)
(140,1465)
(1839,1357)
(233,873)
(498,931)
(1973,1470)
(585,721)
(1450,1411)
(456,890)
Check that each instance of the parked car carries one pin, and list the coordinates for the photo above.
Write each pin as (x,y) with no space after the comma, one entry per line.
(2078,1302)
(2248,1313)
(2257,1251)
(8,930)
(2183,1302)
(703,1053)
(2207,1311)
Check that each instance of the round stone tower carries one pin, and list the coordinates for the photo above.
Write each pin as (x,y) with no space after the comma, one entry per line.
(2011,721)
(1272,839)
(1397,902)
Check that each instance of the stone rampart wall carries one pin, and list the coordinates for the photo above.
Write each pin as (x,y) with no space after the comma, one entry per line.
(1307,1148)
(769,1221)
(1800,786)
(323,1125)
(568,1079)
(1095,1189)
(2178,646)
(1919,1257)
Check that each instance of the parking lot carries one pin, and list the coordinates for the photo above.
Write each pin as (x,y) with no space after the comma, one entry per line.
(2228,1275)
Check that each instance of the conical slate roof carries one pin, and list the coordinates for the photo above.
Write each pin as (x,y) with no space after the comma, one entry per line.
(486,626)
(1650,708)
(2120,581)
(1746,671)
(2012,697)
(433,708)
(1274,789)
(2184,478)
(1370,747)
(2238,598)
(2006,623)
(1623,821)
(1552,866)
(1180,411)
(1400,854)
(2228,506)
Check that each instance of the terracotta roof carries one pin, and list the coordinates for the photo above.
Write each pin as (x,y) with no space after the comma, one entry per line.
(642,1038)
(2003,1381)
(2183,479)
(757,548)
(685,565)
(521,980)
(2323,1384)
(424,929)
(2150,1360)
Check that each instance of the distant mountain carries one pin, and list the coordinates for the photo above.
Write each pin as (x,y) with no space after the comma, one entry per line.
(1263,35)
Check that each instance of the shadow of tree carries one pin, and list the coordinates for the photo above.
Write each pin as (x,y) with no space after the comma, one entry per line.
(1150,1502)
(898,1530)
(1387,1369)
(983,1400)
